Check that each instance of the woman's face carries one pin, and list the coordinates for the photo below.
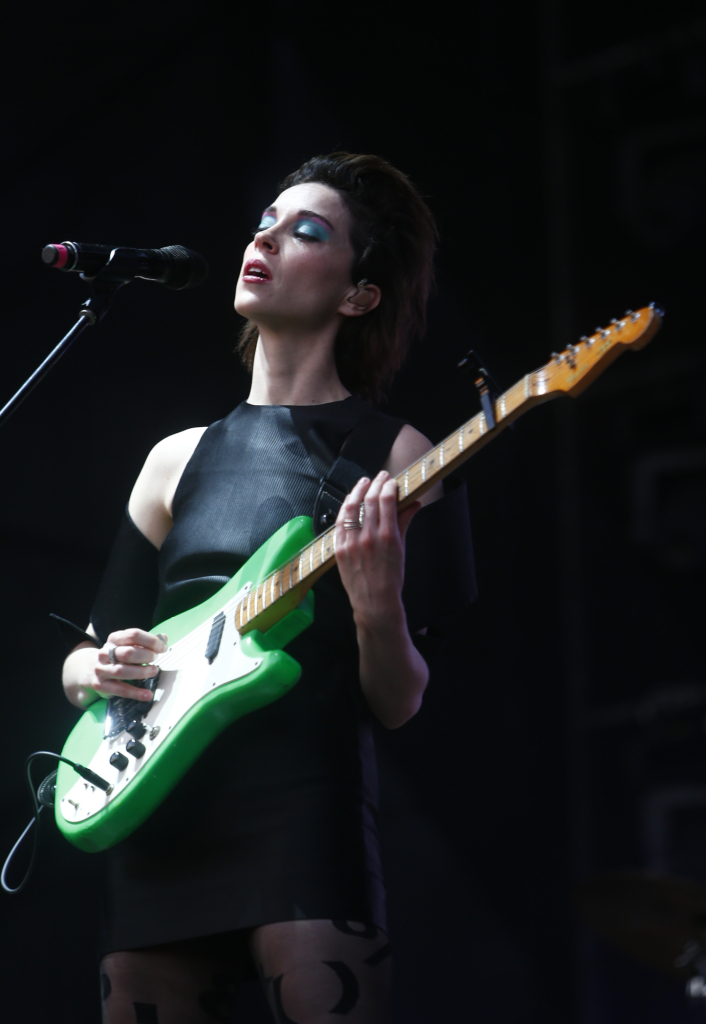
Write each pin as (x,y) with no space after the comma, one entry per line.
(296,272)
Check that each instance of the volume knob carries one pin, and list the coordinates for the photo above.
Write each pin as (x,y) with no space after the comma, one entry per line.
(119,761)
(135,748)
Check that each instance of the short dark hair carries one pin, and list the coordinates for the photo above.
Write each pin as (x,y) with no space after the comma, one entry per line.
(393,236)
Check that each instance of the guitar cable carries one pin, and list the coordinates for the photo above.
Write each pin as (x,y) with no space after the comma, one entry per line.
(43,797)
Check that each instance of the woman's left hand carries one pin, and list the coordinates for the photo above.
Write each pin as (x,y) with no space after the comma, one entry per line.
(370,554)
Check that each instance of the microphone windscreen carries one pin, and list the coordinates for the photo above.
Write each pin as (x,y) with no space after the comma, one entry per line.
(187,268)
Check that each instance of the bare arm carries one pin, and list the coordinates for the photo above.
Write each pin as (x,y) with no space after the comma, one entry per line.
(393,674)
(88,671)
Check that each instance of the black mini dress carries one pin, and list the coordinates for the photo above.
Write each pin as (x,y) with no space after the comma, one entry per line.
(277,821)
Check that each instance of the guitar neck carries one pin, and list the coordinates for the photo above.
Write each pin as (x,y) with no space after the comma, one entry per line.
(569,372)
(287,586)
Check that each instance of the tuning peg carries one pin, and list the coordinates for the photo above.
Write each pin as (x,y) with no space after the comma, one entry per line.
(603,333)
(556,357)
(588,341)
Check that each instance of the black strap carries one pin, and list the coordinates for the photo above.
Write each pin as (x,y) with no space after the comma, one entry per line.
(70,633)
(364,453)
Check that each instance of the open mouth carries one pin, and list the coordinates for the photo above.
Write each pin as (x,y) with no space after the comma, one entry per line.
(256,271)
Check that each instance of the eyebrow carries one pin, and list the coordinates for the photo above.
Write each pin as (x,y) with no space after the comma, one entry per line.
(303,213)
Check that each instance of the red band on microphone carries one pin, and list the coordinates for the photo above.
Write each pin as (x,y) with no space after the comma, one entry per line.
(62,254)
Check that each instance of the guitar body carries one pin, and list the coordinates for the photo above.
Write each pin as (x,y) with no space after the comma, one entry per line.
(196,696)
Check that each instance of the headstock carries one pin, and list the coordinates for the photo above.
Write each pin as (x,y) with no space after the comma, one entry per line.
(578,365)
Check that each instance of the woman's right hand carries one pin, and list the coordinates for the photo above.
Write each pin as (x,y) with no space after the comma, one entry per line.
(90,672)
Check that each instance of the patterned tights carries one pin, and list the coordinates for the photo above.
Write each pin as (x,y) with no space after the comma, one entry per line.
(311,971)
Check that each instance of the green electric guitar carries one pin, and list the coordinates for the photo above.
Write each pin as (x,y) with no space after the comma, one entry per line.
(226,656)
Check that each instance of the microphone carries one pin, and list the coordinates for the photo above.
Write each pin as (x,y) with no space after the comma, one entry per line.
(173,266)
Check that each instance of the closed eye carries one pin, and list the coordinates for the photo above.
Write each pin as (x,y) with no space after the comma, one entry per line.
(267,221)
(311,231)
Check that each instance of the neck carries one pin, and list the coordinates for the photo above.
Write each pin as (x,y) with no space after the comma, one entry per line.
(293,370)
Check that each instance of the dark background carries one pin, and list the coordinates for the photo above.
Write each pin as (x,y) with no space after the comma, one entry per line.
(562,148)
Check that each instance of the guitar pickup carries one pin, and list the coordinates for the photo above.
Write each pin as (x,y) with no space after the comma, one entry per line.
(214,640)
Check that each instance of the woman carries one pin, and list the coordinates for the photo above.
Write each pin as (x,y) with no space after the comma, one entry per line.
(268,848)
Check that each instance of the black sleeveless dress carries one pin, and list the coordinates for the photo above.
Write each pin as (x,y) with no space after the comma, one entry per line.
(277,821)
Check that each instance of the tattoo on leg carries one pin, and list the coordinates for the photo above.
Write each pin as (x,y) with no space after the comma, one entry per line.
(365,931)
(378,957)
(220,1003)
(351,990)
(145,1013)
(106,987)
(282,1017)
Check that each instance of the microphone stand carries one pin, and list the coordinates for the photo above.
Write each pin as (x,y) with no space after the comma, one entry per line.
(92,312)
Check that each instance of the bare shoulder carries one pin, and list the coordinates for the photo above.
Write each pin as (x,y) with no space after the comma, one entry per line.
(151,499)
(173,452)
(410,445)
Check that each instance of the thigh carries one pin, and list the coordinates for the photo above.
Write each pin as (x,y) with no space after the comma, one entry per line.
(193,982)
(312,970)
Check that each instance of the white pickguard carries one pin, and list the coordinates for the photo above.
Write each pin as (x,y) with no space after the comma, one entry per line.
(185,677)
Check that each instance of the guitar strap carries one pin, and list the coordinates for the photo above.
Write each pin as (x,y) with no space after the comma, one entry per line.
(363,454)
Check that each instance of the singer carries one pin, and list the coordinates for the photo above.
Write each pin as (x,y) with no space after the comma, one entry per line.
(264,859)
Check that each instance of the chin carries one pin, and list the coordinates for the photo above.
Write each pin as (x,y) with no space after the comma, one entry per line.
(245,302)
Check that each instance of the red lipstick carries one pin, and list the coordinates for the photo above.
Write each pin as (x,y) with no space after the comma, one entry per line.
(255,272)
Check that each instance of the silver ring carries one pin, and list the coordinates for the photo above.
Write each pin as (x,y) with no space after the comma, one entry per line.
(361,514)
(351,524)
(112,657)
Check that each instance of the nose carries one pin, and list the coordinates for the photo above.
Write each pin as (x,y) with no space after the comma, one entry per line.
(265,241)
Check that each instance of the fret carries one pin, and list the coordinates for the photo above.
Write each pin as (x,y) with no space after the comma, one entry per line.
(441,455)
(424,470)
(460,440)
(406,483)
(301,566)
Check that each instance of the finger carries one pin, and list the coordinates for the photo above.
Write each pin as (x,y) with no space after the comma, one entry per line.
(123,670)
(114,660)
(127,656)
(350,509)
(388,507)
(138,638)
(371,517)
(119,688)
